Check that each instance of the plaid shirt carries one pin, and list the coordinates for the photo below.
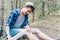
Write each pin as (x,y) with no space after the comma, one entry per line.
(13,18)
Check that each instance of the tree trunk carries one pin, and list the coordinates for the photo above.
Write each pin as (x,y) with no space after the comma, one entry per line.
(43,7)
(54,3)
(2,12)
(16,4)
(11,4)
(33,17)
(20,4)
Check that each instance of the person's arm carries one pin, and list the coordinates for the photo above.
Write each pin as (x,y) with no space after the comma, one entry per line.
(7,30)
(8,24)
(9,21)
(8,33)
(27,24)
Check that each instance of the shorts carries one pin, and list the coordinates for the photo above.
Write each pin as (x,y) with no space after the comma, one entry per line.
(14,31)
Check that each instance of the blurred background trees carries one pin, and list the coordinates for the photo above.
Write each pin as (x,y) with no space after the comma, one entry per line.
(42,7)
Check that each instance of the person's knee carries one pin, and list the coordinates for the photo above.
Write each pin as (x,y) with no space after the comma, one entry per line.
(37,29)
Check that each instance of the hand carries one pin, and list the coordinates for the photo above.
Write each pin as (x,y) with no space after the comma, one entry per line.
(28,28)
(9,38)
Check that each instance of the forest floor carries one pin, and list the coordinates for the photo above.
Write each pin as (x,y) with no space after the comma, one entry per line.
(49,26)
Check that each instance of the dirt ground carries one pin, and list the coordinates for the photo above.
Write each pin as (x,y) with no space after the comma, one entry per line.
(49,26)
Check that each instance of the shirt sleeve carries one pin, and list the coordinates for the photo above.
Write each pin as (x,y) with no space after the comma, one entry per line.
(9,20)
(26,20)
(27,23)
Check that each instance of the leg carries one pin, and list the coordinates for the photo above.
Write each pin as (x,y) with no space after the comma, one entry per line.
(41,34)
(32,36)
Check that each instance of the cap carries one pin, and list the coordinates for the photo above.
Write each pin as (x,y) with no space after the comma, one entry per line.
(29,4)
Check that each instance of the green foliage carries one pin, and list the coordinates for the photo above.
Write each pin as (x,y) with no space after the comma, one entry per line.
(49,6)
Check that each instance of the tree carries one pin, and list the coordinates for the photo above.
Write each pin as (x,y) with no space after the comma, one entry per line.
(19,3)
(51,5)
(2,12)
(11,4)
(54,3)
(16,4)
(43,7)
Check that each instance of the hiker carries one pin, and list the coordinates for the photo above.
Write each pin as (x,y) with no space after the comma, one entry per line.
(18,19)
